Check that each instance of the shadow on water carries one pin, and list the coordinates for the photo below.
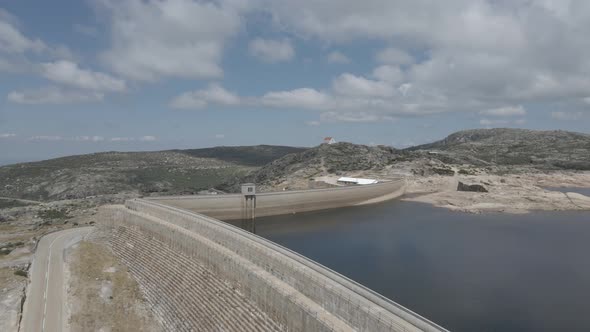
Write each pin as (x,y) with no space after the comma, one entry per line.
(488,272)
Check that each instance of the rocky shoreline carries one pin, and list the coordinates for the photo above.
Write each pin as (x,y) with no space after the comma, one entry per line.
(511,193)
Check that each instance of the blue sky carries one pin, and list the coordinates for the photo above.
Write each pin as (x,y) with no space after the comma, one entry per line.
(97,75)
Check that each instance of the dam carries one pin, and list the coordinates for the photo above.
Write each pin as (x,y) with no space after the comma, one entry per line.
(201,274)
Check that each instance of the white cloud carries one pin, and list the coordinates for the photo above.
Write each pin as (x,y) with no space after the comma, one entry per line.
(148,138)
(219,136)
(13,41)
(7,135)
(305,98)
(214,94)
(46,138)
(122,139)
(488,122)
(337,58)
(53,95)
(361,116)
(394,56)
(484,57)
(454,22)
(506,111)
(391,74)
(351,85)
(67,72)
(519,121)
(133,139)
(313,123)
(89,138)
(497,122)
(372,100)
(470,55)
(176,38)
(566,116)
(17,50)
(272,50)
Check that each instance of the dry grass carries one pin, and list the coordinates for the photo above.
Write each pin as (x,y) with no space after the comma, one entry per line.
(103,294)
(11,293)
(9,278)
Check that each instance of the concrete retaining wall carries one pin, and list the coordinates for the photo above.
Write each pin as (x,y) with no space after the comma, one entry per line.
(182,292)
(228,207)
(294,291)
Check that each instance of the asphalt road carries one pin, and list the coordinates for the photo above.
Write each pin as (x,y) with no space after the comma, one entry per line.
(44,307)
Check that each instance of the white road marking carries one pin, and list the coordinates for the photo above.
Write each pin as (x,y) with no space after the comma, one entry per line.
(65,233)
(47,279)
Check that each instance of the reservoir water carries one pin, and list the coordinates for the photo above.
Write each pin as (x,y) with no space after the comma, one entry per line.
(487,272)
(578,190)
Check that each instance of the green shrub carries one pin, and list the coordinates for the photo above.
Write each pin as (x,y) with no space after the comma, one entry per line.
(21,273)
(54,214)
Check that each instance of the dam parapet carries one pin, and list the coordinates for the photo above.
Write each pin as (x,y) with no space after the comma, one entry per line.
(233,206)
(280,288)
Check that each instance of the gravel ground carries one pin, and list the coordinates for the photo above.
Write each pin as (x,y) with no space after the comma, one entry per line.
(102,295)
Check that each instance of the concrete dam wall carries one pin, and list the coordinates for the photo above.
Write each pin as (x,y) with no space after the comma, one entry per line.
(228,207)
(202,274)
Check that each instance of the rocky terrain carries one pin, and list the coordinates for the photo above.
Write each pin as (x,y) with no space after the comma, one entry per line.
(507,147)
(41,197)
(501,170)
(470,152)
(510,168)
(321,160)
(133,173)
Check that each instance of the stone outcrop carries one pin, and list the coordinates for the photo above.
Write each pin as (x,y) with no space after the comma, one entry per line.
(471,187)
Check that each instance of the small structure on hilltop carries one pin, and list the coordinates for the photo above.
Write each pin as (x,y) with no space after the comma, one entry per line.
(329,140)
(346,180)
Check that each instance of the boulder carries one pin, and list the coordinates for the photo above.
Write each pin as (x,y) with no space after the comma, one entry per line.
(443,171)
(471,187)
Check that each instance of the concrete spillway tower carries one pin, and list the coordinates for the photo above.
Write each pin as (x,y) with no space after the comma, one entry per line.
(249,201)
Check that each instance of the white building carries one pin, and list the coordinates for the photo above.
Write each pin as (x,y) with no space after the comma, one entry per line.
(346,180)
(329,140)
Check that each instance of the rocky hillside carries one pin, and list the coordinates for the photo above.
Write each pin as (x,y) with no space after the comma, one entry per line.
(321,160)
(258,155)
(275,167)
(133,173)
(540,149)
(495,150)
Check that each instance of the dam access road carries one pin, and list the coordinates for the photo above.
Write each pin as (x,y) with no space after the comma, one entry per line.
(46,299)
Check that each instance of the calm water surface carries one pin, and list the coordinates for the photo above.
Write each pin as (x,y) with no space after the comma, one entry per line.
(489,272)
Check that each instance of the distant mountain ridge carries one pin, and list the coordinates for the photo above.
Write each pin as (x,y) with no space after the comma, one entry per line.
(542,150)
(134,173)
(257,155)
(325,158)
(188,171)
(505,146)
